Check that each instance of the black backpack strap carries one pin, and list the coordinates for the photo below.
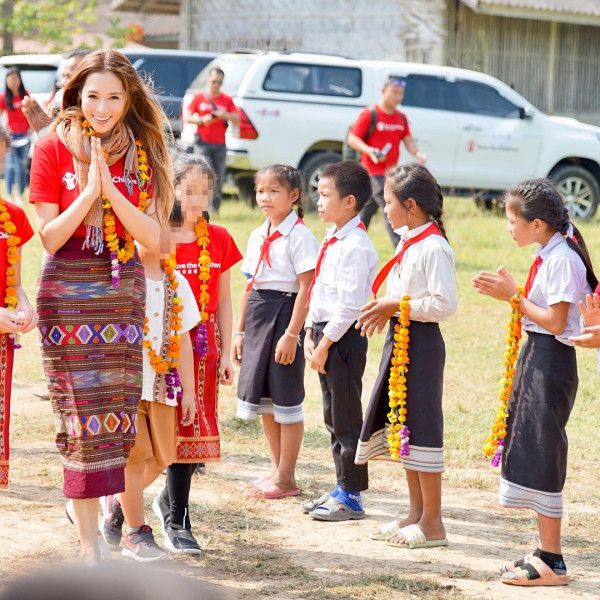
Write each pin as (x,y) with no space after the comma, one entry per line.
(371,124)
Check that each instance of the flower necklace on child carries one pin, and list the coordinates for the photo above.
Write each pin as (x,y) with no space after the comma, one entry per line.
(398,432)
(494,444)
(169,364)
(12,258)
(204,262)
(126,253)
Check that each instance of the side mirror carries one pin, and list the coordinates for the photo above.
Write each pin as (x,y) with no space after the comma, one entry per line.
(525,113)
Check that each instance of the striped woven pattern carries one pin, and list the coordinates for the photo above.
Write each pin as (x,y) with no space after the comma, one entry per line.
(91,341)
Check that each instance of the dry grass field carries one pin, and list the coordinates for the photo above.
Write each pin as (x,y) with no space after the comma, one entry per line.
(269,549)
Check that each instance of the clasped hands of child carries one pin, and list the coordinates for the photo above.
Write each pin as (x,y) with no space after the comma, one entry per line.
(22,320)
(590,333)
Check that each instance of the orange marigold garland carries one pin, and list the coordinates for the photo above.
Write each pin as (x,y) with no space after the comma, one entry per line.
(122,255)
(167,365)
(204,262)
(494,444)
(398,432)
(12,258)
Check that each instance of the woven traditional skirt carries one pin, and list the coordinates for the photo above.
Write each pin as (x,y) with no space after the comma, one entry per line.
(424,390)
(200,441)
(6,367)
(91,342)
(534,461)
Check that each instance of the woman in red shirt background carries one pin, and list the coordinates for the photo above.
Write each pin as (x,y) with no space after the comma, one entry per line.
(11,101)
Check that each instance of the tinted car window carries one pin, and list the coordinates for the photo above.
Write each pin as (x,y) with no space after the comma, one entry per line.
(481,99)
(37,80)
(320,80)
(426,92)
(166,74)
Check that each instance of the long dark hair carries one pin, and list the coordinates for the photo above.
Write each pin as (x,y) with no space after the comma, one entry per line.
(8,95)
(415,181)
(287,176)
(539,199)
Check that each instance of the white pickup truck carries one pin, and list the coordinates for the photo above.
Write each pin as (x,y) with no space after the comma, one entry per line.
(480,136)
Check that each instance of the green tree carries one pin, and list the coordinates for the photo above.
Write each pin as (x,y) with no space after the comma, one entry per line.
(47,21)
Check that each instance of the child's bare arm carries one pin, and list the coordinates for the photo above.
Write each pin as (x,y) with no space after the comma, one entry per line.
(285,351)
(225,322)
(238,338)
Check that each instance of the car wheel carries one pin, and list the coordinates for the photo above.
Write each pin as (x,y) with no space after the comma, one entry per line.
(579,190)
(245,190)
(311,168)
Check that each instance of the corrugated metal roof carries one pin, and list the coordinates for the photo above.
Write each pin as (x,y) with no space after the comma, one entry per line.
(574,7)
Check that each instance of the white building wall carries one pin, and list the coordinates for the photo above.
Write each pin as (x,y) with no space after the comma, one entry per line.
(411,30)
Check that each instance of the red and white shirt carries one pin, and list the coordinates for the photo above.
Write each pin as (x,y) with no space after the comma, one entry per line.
(53,179)
(223,255)
(388,128)
(17,121)
(293,253)
(213,133)
(344,283)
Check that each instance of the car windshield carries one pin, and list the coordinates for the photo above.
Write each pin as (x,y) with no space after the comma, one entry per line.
(234,67)
(37,79)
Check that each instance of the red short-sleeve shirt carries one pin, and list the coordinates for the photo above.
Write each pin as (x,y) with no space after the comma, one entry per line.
(388,128)
(17,121)
(223,255)
(53,179)
(200,105)
(24,231)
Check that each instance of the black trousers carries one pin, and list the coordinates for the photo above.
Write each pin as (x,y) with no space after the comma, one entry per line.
(342,409)
(375,202)
(217,154)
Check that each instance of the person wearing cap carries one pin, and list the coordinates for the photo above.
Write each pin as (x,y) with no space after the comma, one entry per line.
(381,150)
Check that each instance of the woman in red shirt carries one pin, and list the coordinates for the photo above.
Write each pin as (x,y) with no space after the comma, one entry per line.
(101,178)
(11,101)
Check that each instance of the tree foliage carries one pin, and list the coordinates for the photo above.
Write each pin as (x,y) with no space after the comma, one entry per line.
(56,21)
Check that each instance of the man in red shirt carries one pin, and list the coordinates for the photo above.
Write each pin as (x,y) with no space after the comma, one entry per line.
(212,111)
(382,148)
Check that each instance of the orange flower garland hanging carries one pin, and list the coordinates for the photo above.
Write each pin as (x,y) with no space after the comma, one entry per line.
(167,365)
(204,262)
(122,255)
(12,258)
(398,432)
(494,444)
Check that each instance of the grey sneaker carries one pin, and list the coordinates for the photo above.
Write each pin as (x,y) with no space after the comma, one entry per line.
(335,510)
(111,526)
(141,546)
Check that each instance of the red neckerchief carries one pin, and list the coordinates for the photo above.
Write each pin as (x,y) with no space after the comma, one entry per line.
(321,256)
(264,252)
(433,229)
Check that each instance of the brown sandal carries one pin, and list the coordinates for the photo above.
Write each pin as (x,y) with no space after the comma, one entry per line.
(523,575)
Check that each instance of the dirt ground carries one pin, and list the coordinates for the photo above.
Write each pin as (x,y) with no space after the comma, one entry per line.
(269,549)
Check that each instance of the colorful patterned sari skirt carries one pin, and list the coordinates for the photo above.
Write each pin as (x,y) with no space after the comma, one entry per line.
(6,367)
(91,342)
(200,441)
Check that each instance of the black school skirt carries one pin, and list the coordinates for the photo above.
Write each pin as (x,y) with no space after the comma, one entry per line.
(534,460)
(264,386)
(424,389)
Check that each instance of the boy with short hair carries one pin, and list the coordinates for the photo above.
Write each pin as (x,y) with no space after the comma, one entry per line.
(346,268)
